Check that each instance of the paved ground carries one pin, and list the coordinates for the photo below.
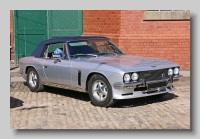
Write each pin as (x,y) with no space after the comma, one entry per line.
(63,109)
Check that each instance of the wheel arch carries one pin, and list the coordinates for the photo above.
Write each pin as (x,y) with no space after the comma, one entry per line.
(39,85)
(93,73)
(30,66)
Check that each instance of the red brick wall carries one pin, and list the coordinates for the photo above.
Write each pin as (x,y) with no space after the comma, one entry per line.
(102,22)
(11,37)
(163,39)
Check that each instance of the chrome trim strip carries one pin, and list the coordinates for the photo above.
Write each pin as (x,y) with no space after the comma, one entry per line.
(64,87)
(155,81)
(127,84)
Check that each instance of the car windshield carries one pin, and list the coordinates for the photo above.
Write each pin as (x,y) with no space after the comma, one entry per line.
(92,48)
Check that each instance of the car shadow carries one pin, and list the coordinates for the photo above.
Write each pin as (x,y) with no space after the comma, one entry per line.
(135,102)
(68,93)
(127,103)
(33,107)
(14,102)
(13,68)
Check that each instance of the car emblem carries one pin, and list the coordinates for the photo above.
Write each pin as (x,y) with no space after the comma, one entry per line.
(153,66)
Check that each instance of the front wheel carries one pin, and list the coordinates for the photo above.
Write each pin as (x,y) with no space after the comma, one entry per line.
(100,91)
(33,81)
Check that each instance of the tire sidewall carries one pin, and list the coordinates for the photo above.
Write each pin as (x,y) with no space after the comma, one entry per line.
(109,98)
(34,89)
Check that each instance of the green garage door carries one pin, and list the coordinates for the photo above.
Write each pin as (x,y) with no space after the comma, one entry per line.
(33,26)
(64,23)
(30,28)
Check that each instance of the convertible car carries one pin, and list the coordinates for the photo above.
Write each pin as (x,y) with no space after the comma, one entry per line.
(95,65)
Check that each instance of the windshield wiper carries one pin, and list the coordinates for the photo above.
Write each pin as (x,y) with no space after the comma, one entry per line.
(84,55)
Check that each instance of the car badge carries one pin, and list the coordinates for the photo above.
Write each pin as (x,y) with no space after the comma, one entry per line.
(163,75)
(153,66)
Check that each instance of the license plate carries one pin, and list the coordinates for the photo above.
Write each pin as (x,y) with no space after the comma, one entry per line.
(155,85)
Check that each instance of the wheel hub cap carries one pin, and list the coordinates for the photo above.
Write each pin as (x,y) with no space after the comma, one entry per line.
(99,90)
(32,79)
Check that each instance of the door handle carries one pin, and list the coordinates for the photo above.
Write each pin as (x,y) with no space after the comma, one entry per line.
(45,66)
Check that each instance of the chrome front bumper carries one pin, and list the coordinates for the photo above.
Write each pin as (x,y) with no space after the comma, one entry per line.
(127,90)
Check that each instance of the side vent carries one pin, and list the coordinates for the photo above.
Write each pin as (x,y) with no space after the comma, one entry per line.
(79,77)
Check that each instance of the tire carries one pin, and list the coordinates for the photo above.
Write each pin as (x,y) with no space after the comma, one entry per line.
(34,84)
(100,96)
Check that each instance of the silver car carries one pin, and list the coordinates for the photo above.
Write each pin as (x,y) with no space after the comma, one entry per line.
(95,65)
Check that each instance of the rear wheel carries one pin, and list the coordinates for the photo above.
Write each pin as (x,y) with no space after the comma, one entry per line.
(33,81)
(100,91)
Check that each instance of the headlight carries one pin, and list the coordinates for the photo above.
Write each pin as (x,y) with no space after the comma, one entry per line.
(134,76)
(127,77)
(176,71)
(170,72)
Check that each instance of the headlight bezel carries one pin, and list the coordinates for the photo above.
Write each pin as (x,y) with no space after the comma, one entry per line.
(178,71)
(173,69)
(135,74)
(129,77)
(172,72)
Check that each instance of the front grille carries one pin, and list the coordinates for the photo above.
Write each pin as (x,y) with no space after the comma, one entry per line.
(153,74)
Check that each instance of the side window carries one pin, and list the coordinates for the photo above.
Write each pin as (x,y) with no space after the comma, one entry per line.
(54,51)
(45,54)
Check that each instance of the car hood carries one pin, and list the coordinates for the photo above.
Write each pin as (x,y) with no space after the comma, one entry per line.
(130,63)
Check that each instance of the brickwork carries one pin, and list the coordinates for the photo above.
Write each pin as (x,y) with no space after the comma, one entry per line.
(102,22)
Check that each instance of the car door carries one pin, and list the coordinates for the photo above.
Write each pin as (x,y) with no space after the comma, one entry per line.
(57,72)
